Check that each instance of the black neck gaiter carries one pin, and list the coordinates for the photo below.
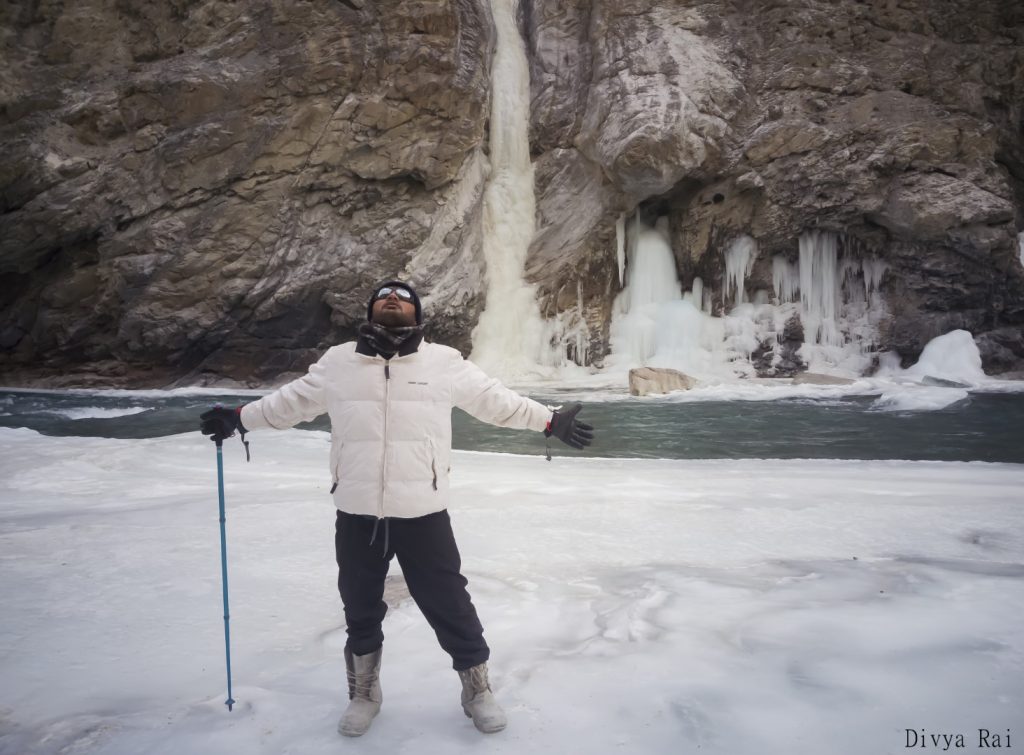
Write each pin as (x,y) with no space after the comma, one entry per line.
(385,340)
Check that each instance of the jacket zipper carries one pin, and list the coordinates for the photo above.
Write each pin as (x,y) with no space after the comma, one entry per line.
(384,457)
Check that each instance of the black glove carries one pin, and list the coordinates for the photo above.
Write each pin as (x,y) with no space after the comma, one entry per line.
(220,423)
(563,425)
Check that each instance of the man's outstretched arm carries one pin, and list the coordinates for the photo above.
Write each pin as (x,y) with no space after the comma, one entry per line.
(297,401)
(300,400)
(488,400)
(485,398)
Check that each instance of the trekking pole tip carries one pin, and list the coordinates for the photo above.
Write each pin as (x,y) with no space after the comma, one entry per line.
(229,702)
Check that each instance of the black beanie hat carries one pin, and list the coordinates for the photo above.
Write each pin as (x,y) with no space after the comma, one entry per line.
(400,284)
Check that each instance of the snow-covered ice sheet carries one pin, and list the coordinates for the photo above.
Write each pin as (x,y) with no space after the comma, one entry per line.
(918,398)
(752,606)
(906,391)
(99,412)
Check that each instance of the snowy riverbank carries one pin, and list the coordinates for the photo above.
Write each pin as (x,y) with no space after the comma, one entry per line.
(751,606)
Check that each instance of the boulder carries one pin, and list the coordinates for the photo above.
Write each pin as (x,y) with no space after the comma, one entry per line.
(1002,350)
(644,381)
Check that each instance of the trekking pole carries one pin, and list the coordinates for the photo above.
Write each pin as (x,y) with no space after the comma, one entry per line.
(224,567)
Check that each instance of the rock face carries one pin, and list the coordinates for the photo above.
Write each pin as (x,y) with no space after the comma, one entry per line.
(212,187)
(644,381)
(898,127)
(203,189)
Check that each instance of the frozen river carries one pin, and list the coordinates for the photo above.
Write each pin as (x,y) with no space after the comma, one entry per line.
(868,422)
(801,569)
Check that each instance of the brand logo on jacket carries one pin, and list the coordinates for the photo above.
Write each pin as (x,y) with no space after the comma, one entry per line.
(986,739)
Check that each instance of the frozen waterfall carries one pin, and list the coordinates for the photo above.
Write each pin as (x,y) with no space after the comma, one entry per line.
(653,321)
(832,287)
(510,341)
(840,303)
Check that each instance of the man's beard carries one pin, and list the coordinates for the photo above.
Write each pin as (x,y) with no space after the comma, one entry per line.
(394,318)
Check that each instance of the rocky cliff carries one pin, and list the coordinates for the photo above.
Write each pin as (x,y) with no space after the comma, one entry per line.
(203,189)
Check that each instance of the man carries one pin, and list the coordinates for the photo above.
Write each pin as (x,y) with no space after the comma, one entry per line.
(389,395)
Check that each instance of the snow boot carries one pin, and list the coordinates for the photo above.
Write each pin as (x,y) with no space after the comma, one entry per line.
(364,695)
(478,701)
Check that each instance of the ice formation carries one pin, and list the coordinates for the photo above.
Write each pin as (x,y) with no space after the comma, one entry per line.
(509,340)
(512,341)
(833,287)
(840,303)
(620,249)
(99,412)
(785,279)
(739,259)
(819,288)
(834,291)
(953,356)
(655,323)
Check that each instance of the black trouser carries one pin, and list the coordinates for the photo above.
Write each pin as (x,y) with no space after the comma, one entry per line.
(426,551)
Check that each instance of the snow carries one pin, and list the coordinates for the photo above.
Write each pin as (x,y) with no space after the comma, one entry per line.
(951,356)
(141,392)
(749,606)
(603,388)
(99,412)
(918,399)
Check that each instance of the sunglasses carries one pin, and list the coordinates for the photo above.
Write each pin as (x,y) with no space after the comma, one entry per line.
(385,292)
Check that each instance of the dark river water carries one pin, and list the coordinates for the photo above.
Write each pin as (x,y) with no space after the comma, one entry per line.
(982,427)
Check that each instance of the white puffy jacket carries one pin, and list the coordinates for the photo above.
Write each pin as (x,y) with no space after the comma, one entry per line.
(391,422)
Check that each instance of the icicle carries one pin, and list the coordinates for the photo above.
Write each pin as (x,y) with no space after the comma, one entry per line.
(835,295)
(785,279)
(620,248)
(873,270)
(698,293)
(739,259)
(581,335)
(634,236)
(819,287)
